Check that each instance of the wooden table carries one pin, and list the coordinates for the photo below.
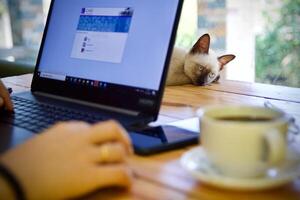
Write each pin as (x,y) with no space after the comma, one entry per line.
(161,176)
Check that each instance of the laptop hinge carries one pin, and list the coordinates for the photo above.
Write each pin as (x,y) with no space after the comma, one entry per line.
(89,104)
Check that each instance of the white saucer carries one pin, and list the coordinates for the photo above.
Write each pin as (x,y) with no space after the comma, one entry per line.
(196,162)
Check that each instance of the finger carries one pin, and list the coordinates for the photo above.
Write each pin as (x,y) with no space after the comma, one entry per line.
(72,126)
(109,153)
(113,175)
(68,128)
(6,97)
(1,102)
(109,132)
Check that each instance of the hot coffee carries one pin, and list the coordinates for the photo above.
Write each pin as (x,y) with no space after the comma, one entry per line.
(245,118)
(244,141)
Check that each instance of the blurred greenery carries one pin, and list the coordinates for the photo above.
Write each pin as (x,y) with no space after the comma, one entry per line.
(278,50)
(188,26)
(1,7)
(185,40)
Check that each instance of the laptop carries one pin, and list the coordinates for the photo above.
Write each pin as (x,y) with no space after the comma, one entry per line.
(98,60)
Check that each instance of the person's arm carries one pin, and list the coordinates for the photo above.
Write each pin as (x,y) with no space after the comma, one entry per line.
(69,160)
(5,98)
(5,189)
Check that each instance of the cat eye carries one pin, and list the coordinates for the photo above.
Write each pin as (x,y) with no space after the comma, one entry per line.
(211,75)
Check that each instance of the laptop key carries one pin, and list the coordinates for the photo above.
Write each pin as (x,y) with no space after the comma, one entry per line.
(36,117)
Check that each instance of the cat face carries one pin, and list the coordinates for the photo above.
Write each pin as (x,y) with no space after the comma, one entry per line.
(202,69)
(202,65)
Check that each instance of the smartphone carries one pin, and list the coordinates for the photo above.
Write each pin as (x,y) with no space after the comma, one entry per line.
(162,138)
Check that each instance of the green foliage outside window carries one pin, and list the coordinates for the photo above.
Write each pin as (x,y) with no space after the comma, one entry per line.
(278,50)
(1,8)
(187,30)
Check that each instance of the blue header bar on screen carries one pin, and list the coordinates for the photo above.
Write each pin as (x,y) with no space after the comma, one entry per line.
(120,24)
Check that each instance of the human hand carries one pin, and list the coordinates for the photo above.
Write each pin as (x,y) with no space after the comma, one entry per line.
(71,159)
(5,98)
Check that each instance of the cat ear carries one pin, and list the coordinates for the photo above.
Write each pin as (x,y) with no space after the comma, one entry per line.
(202,45)
(223,60)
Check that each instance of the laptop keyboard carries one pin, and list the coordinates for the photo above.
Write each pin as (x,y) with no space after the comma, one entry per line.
(36,117)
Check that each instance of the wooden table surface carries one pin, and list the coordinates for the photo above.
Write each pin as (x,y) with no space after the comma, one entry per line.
(161,176)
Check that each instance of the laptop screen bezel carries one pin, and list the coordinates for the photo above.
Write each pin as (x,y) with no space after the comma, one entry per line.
(112,98)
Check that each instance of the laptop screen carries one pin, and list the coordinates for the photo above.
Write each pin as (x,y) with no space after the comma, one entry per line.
(108,44)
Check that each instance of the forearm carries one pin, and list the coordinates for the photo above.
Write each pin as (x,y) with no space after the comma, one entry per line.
(5,191)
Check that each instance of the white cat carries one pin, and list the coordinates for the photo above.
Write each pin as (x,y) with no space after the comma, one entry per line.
(200,66)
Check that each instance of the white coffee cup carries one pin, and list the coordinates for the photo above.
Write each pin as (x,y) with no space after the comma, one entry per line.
(244,141)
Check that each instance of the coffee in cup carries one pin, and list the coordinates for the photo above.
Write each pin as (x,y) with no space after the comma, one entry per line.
(244,141)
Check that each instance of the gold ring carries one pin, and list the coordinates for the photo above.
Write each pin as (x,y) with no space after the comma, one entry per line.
(104,153)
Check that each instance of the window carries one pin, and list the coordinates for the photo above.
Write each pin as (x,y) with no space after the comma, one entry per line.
(21,27)
(263,34)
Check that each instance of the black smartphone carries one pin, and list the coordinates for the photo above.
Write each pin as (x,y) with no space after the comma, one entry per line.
(162,138)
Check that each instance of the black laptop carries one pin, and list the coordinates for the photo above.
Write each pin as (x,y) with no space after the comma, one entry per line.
(99,60)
